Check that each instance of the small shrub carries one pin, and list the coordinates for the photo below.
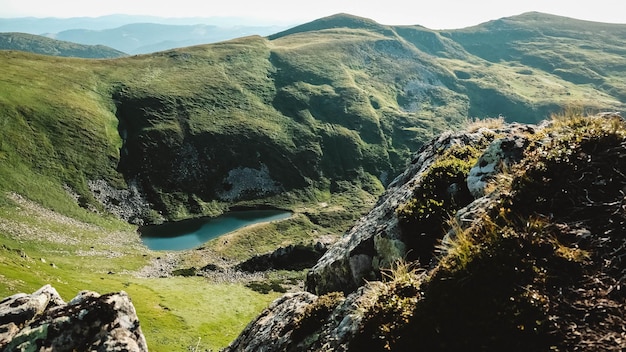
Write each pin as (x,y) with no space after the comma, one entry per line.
(265,287)
(186,272)
(473,125)
(575,175)
(386,320)
(443,190)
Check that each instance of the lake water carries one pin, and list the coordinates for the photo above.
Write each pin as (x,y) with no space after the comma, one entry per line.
(192,233)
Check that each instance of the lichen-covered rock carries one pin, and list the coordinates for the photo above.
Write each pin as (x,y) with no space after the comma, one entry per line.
(21,307)
(306,322)
(376,240)
(90,322)
(500,154)
(272,329)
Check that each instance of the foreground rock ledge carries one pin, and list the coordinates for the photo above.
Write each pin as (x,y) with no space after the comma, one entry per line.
(42,321)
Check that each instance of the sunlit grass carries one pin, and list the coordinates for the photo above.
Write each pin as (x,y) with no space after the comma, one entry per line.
(71,256)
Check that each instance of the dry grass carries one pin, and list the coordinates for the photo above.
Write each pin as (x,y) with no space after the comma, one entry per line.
(492,123)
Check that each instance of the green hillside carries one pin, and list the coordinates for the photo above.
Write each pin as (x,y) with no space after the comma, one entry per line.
(339,99)
(317,119)
(46,46)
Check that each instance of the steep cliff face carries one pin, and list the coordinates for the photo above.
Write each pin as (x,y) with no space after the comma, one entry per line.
(508,237)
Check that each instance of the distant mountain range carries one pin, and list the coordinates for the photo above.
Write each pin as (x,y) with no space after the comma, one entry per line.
(140,34)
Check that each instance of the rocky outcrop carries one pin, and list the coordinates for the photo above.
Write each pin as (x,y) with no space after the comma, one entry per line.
(306,322)
(42,321)
(275,324)
(501,154)
(535,262)
(377,240)
(126,204)
(244,180)
(292,257)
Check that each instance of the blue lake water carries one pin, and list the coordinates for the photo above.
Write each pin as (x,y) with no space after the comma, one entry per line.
(192,233)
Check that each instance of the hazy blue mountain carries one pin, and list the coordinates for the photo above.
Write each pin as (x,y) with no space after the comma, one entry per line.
(141,34)
(141,38)
(35,25)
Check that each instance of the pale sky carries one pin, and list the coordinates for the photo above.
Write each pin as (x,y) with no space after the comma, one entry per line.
(434,14)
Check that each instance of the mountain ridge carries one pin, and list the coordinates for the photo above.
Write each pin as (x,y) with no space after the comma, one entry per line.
(46,46)
(140,34)
(373,94)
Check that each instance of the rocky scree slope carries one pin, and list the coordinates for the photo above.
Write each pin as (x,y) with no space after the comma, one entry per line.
(502,237)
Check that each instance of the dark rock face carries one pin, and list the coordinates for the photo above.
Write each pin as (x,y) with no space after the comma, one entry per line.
(89,322)
(292,257)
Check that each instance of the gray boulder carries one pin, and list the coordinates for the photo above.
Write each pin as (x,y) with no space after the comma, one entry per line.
(501,153)
(42,321)
(272,329)
(306,322)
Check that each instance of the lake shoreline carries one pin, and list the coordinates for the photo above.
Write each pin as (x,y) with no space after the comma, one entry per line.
(191,233)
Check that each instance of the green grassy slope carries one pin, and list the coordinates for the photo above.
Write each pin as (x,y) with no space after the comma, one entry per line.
(540,60)
(341,98)
(58,128)
(39,246)
(47,46)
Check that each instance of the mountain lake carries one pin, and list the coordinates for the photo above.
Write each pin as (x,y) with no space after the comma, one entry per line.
(188,234)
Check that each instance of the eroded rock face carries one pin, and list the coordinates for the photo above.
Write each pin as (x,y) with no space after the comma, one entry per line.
(126,204)
(500,154)
(376,240)
(42,321)
(306,322)
(272,329)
